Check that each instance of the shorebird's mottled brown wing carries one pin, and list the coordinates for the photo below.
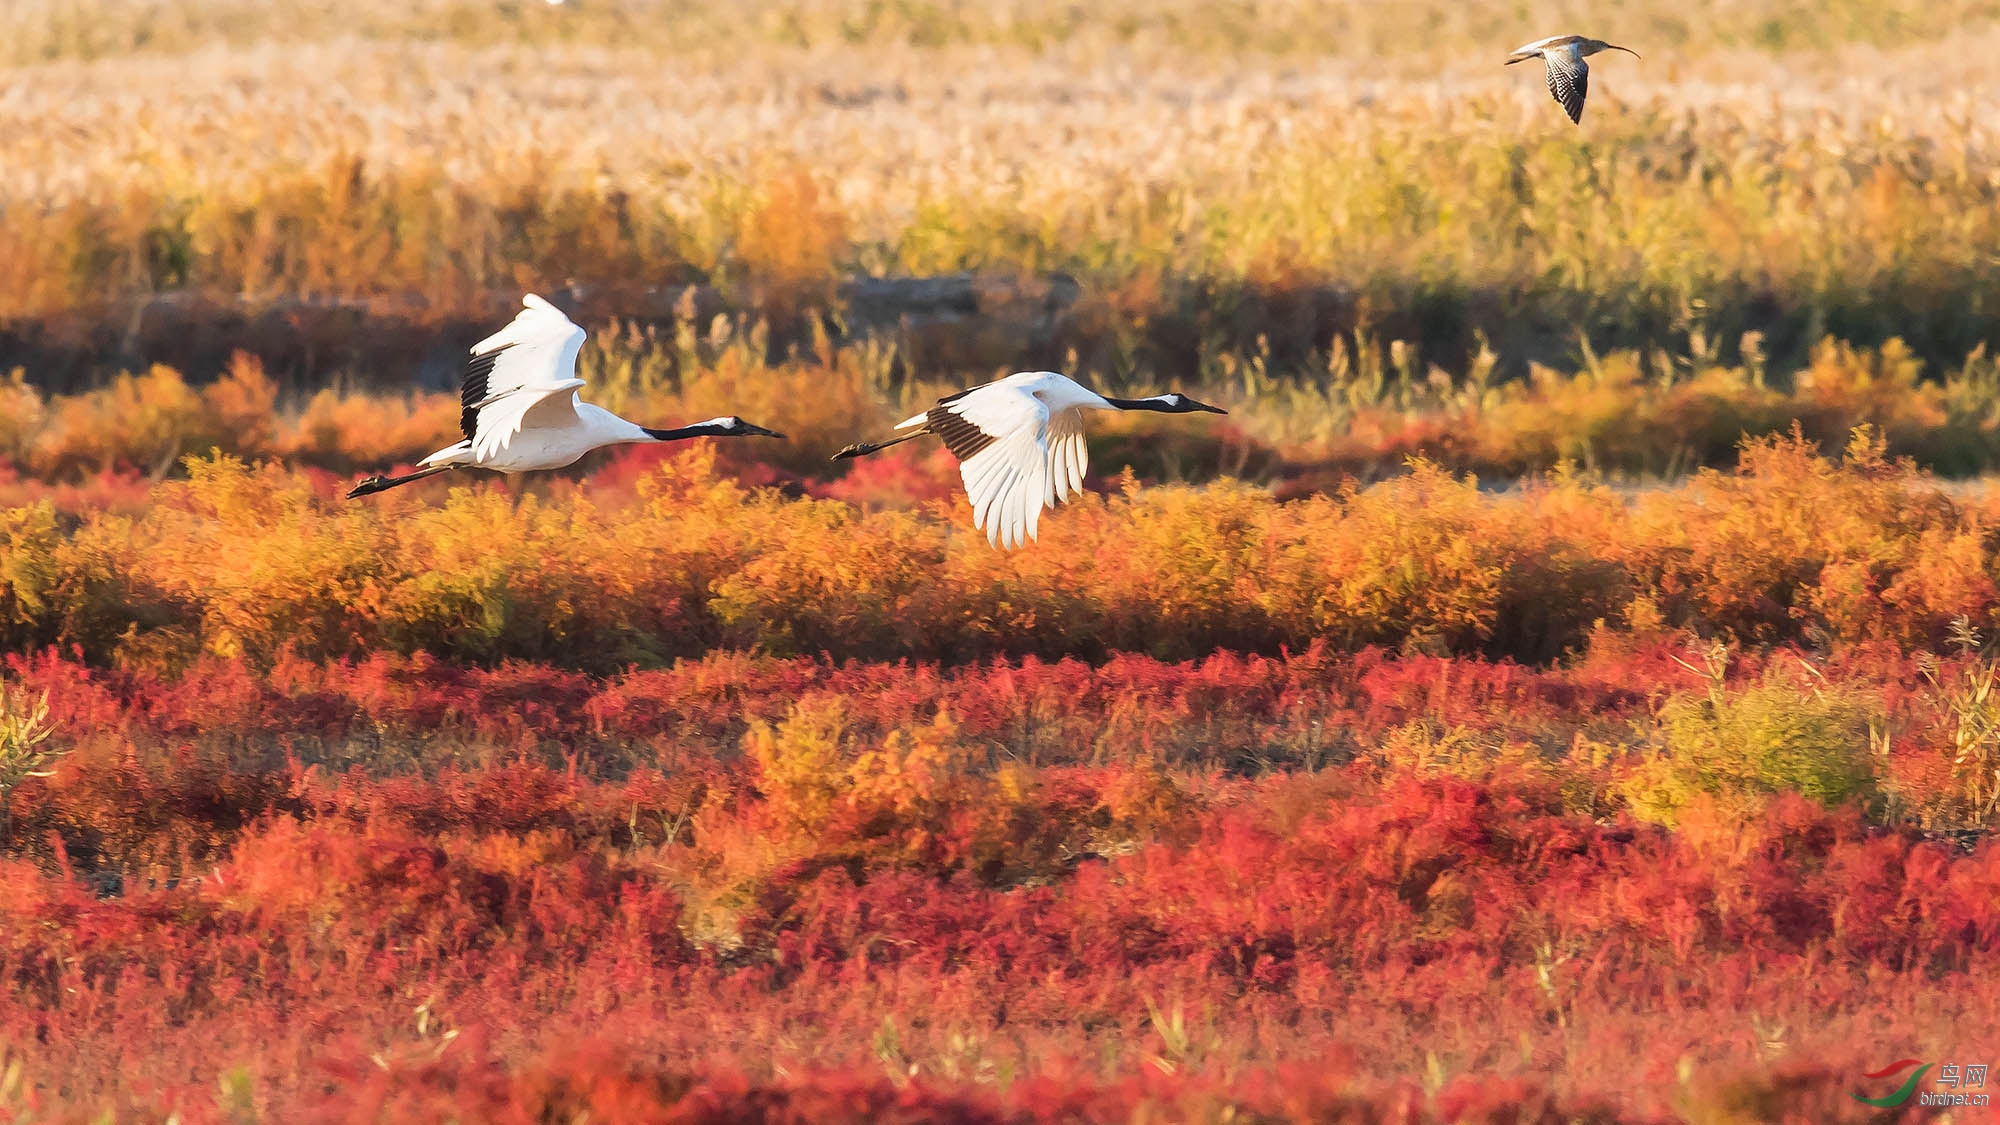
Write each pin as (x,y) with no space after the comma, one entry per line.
(1569,80)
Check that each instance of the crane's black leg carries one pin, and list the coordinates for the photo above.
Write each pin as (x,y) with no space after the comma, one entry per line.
(861,448)
(373,485)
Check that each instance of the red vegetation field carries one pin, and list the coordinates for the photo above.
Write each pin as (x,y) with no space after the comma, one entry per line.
(671,799)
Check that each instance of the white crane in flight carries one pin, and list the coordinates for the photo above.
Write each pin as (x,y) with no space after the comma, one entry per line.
(1019,442)
(522,411)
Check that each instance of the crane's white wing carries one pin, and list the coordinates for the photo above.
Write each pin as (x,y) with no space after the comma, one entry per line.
(1569,81)
(1068,455)
(522,375)
(1015,454)
(999,433)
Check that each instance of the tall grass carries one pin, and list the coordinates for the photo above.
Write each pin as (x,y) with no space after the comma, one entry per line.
(1304,427)
(684,797)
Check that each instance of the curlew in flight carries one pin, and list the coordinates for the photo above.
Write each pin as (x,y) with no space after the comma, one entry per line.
(1569,76)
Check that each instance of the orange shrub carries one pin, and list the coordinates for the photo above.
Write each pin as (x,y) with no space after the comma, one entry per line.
(355,432)
(140,421)
(241,560)
(1793,540)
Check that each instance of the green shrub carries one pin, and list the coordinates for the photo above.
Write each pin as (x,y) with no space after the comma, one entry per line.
(1743,747)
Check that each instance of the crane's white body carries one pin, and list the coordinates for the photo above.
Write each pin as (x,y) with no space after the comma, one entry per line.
(521,410)
(539,445)
(1020,444)
(531,415)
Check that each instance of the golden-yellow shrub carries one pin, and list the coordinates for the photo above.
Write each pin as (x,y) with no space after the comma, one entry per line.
(65,586)
(1415,557)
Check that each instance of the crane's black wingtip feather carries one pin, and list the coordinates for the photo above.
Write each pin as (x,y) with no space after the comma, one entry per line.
(472,388)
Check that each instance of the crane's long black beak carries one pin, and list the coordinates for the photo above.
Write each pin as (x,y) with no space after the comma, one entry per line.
(759,431)
(1210,409)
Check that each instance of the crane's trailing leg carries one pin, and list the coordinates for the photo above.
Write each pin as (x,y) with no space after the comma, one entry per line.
(373,485)
(861,448)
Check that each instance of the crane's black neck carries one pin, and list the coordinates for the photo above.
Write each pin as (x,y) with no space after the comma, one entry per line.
(1158,402)
(1170,403)
(699,429)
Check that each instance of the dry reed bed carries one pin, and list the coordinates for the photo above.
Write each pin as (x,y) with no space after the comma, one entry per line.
(888,127)
(1454,199)
(46,29)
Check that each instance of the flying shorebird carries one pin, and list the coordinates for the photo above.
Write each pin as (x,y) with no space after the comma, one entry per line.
(1019,442)
(522,412)
(1569,76)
